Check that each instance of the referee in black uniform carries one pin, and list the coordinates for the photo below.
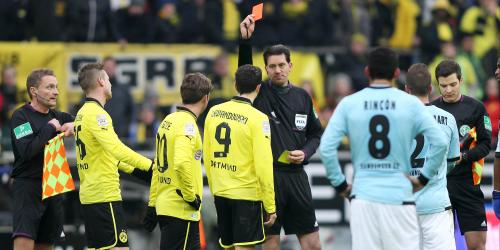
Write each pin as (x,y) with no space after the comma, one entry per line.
(295,136)
(465,193)
(36,222)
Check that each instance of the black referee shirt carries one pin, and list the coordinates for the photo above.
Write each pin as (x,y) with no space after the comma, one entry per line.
(294,123)
(29,134)
(469,113)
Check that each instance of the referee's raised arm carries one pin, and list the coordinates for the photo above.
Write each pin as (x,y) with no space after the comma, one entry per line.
(247,27)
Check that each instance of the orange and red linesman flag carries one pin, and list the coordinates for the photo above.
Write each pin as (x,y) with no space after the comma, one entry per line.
(56,178)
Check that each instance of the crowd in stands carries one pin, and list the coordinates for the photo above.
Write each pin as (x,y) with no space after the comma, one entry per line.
(340,31)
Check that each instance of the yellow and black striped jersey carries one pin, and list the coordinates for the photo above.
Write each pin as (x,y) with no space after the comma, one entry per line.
(99,154)
(177,166)
(237,153)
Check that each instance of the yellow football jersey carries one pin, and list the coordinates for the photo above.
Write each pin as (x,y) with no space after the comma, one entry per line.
(177,166)
(237,153)
(99,153)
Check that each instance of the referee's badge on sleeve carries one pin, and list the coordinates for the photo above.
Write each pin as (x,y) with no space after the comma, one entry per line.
(300,121)
(487,123)
(23,130)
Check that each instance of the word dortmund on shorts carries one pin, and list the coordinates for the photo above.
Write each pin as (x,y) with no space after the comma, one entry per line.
(230,116)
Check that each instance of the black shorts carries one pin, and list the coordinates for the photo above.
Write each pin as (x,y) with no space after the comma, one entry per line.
(39,220)
(467,201)
(105,225)
(240,222)
(294,205)
(177,234)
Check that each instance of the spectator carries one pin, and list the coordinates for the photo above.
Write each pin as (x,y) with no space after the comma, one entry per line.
(8,101)
(12,20)
(292,27)
(353,17)
(144,131)
(222,81)
(166,21)
(46,20)
(131,22)
(200,21)
(92,21)
(318,24)
(307,85)
(121,106)
(492,104)
(436,31)
(405,25)
(482,21)
(339,87)
(382,19)
(353,63)
(489,60)
(468,53)
(8,91)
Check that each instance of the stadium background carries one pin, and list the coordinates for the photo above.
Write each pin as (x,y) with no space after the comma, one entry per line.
(155,42)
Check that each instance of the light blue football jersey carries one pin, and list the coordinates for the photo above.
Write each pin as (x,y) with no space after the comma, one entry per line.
(433,198)
(381,123)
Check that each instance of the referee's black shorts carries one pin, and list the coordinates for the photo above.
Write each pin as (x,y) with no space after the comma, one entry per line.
(178,234)
(294,205)
(39,220)
(240,222)
(105,226)
(467,201)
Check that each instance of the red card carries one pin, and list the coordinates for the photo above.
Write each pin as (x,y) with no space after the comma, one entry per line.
(257,11)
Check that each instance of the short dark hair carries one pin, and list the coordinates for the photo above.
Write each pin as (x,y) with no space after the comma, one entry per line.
(194,87)
(275,50)
(448,67)
(35,77)
(382,63)
(247,78)
(87,75)
(418,79)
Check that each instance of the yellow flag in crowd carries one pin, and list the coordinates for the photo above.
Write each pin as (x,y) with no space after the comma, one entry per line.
(56,175)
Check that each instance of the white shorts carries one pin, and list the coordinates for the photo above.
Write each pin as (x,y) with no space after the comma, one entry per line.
(437,231)
(383,226)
